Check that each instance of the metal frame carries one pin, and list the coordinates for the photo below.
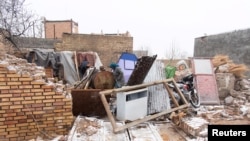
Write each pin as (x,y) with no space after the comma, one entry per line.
(146,118)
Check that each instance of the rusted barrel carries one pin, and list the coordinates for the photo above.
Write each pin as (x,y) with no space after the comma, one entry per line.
(103,80)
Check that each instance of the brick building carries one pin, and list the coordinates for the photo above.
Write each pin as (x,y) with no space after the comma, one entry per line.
(55,29)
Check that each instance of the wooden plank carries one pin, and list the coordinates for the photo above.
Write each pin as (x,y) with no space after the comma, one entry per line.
(135,122)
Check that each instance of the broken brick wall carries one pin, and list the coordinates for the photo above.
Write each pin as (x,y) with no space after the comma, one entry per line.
(108,47)
(30,106)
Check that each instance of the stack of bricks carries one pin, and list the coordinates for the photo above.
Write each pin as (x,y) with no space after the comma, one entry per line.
(194,125)
(30,107)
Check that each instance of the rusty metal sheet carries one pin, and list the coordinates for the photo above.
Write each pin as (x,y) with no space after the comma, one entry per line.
(141,70)
(103,80)
(87,102)
(205,81)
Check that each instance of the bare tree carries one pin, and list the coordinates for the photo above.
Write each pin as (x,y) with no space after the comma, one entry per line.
(173,52)
(16,21)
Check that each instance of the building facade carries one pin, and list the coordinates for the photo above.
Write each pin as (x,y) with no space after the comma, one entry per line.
(55,29)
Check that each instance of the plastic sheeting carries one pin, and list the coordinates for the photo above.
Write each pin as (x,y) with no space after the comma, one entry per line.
(70,73)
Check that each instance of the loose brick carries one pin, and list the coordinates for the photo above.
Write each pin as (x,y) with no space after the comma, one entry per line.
(16,99)
(16,95)
(38,105)
(11,135)
(26,83)
(25,79)
(49,100)
(5,99)
(28,102)
(12,126)
(4,91)
(5,103)
(27,94)
(36,90)
(26,87)
(38,97)
(27,98)
(48,108)
(38,101)
(9,111)
(13,75)
(14,83)
(59,100)
(20,114)
(4,79)
(16,91)
(37,87)
(67,114)
(5,95)
(25,75)
(38,82)
(4,87)
(28,109)
(12,129)
(4,133)
(3,126)
(20,117)
(14,87)
(22,124)
(59,111)
(3,71)
(10,122)
(22,121)
(38,112)
(26,90)
(49,93)
(2,130)
(58,96)
(16,107)
(59,103)
(48,97)
(48,86)
(14,79)
(48,104)
(38,94)
(3,83)
(9,118)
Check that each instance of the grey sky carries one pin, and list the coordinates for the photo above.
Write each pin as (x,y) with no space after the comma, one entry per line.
(156,25)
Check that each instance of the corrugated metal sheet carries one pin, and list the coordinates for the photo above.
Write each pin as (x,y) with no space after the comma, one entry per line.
(141,70)
(158,98)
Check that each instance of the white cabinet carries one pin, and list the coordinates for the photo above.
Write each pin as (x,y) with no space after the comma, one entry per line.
(132,105)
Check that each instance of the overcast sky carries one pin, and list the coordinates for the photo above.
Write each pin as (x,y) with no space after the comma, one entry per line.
(155,25)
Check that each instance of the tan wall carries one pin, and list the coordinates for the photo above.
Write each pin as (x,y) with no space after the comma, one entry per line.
(108,47)
(55,29)
(29,106)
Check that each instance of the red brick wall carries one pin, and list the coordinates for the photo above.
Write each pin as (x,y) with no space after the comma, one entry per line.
(55,29)
(30,107)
